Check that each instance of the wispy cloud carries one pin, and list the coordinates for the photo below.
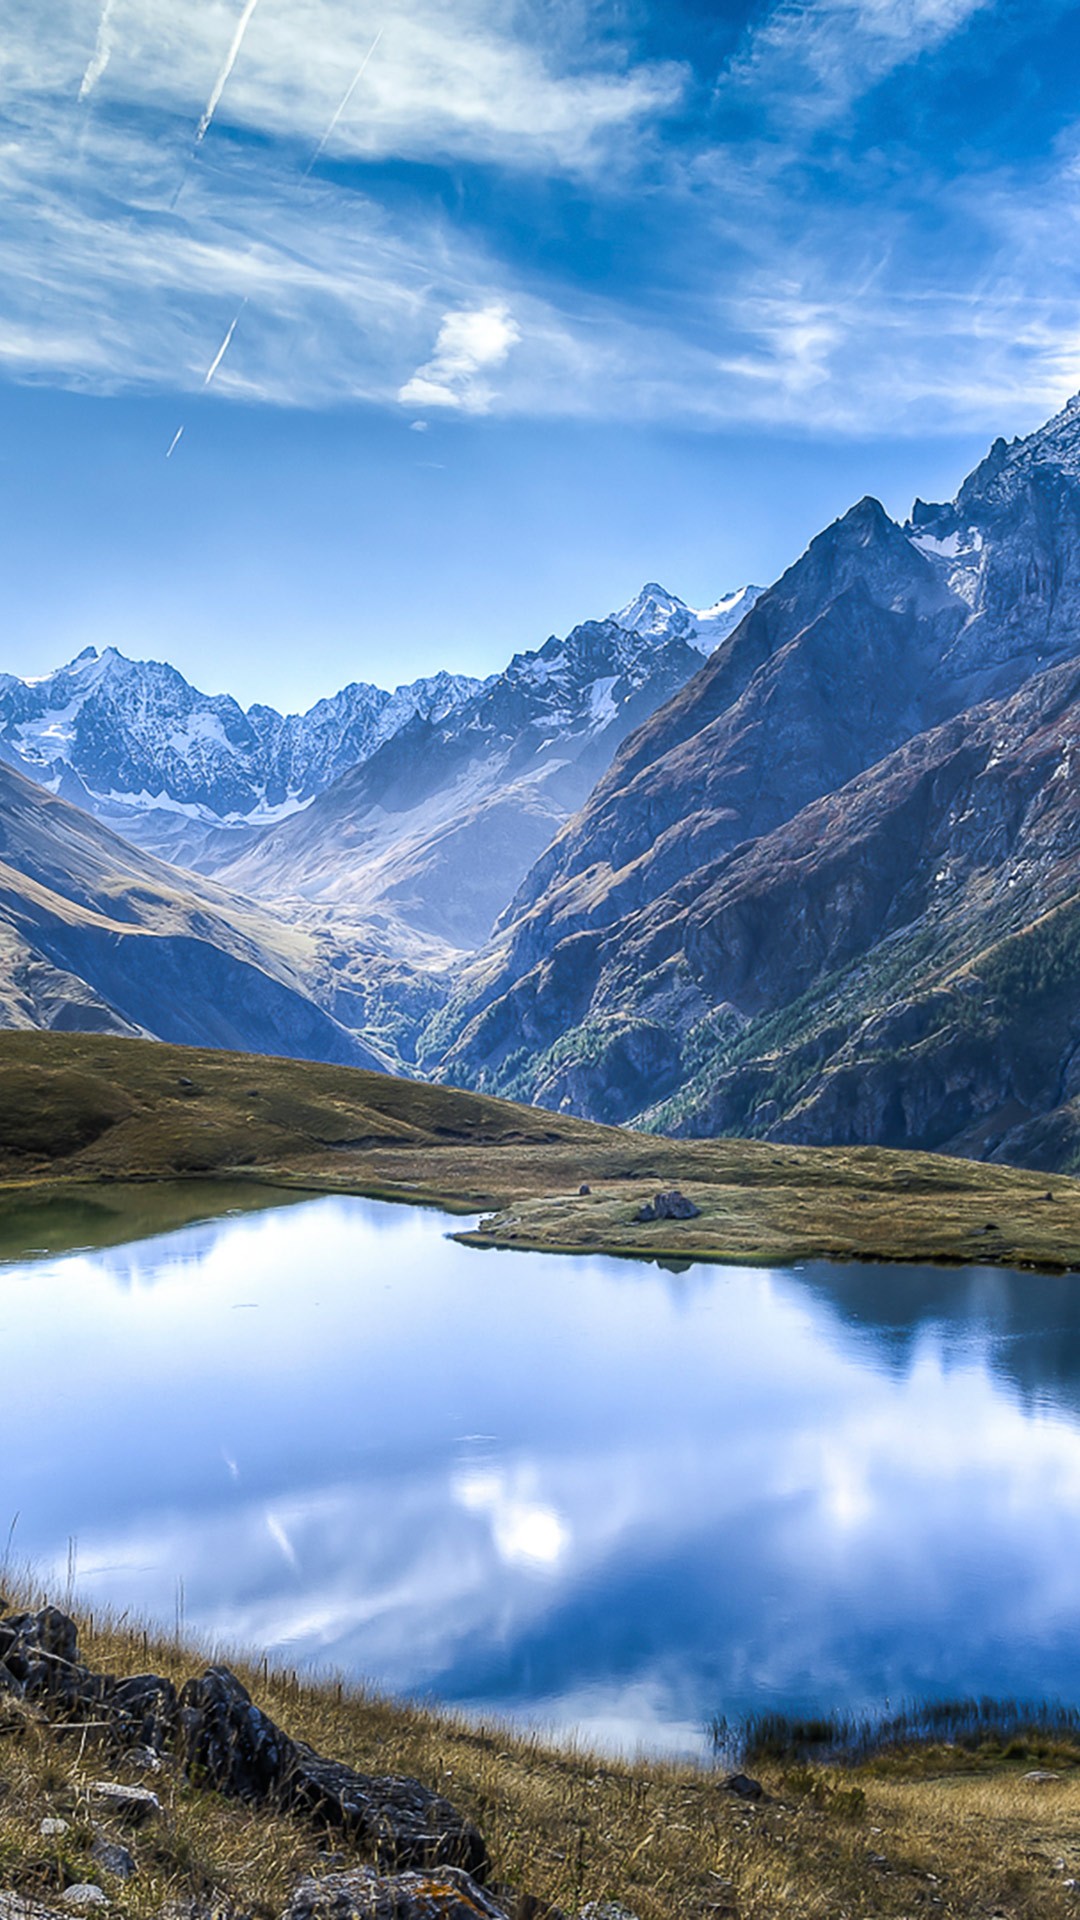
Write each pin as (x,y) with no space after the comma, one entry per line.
(771,271)
(811,58)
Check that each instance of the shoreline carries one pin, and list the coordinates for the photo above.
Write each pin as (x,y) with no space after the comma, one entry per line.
(986,1827)
(87,1113)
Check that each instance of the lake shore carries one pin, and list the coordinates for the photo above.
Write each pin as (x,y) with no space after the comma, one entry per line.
(951,1829)
(85,1111)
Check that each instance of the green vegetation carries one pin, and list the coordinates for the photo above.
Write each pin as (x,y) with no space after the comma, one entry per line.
(82,1112)
(1041,961)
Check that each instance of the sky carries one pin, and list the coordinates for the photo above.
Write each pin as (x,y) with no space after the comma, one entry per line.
(473,315)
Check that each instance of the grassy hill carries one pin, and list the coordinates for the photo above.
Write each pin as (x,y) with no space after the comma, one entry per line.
(81,1112)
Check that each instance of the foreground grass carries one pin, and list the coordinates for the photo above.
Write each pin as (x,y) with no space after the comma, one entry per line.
(940,1831)
(80,1111)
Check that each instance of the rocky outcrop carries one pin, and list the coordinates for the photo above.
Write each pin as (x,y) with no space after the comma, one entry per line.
(366,1895)
(426,1861)
(668,1206)
(233,1745)
(223,1739)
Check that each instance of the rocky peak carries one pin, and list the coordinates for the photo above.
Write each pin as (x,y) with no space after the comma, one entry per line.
(663,616)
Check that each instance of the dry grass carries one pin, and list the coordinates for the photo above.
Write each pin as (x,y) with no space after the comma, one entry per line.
(941,1833)
(83,1111)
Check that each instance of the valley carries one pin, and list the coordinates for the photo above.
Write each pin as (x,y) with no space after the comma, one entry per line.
(802,867)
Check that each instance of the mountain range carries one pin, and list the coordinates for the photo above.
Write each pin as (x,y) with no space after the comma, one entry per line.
(194,777)
(803,866)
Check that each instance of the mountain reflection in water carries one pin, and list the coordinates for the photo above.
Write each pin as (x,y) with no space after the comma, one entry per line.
(581,1491)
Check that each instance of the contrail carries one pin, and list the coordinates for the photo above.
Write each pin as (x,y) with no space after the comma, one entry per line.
(356,79)
(102,53)
(224,347)
(177,437)
(223,77)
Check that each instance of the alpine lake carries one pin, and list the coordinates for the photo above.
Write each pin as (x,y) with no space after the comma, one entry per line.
(579,1493)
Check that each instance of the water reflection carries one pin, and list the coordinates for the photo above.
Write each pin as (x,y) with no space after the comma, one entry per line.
(581,1491)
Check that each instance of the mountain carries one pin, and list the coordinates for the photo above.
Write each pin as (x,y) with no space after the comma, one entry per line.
(99,936)
(440,824)
(661,614)
(829,891)
(194,777)
(182,772)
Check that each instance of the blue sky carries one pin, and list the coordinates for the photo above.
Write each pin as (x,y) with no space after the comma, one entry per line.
(532,302)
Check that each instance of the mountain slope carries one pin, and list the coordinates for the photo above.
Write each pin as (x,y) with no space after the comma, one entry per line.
(870,782)
(96,935)
(441,823)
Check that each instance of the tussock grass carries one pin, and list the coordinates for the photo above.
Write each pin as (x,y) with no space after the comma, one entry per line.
(1043,1733)
(935,1831)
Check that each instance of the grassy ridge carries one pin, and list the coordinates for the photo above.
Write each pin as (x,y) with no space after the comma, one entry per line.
(81,1109)
(943,1830)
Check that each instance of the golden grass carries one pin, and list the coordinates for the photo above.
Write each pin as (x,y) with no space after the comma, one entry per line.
(940,1834)
(82,1110)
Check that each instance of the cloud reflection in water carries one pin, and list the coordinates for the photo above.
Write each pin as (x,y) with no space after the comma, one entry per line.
(573,1489)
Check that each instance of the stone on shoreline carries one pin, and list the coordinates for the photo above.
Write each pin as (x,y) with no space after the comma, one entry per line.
(668,1206)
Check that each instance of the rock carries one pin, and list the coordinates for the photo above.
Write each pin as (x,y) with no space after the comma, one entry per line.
(51,1829)
(744,1785)
(1041,1776)
(584,1188)
(446,1894)
(111,1798)
(606,1910)
(48,1631)
(143,1760)
(16,1906)
(668,1206)
(229,1740)
(239,1750)
(39,1659)
(84,1896)
(112,1858)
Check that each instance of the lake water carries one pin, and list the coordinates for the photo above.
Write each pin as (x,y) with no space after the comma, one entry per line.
(582,1492)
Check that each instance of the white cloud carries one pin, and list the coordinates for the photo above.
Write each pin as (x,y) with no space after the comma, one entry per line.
(451,78)
(470,343)
(780,309)
(813,57)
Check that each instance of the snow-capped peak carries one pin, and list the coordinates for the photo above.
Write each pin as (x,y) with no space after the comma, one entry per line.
(663,616)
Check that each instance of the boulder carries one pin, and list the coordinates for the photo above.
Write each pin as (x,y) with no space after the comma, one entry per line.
(668,1206)
(744,1785)
(445,1894)
(235,1746)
